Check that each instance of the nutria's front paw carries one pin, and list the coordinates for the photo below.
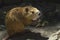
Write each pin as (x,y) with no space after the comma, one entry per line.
(45,23)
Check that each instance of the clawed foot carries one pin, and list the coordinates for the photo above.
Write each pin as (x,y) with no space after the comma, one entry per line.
(45,23)
(6,37)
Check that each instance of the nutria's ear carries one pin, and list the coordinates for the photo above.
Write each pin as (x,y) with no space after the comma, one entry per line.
(26,9)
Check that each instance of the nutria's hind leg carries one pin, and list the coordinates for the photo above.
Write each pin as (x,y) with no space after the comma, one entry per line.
(6,37)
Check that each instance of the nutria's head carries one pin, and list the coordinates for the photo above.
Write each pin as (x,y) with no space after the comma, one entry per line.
(30,12)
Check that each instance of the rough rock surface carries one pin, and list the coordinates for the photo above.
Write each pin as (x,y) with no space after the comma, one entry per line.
(55,36)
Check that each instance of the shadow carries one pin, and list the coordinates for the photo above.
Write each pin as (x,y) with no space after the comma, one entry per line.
(27,35)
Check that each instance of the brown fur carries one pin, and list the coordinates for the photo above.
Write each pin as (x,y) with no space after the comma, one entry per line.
(17,18)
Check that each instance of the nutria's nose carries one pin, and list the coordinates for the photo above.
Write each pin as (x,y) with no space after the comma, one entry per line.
(39,14)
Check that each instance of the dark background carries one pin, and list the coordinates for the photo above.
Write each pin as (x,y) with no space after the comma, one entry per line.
(11,2)
(45,6)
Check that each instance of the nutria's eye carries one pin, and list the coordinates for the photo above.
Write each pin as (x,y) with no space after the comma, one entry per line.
(26,9)
(32,12)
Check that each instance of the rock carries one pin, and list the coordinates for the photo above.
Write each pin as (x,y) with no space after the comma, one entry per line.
(27,36)
(29,39)
(55,36)
(2,27)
